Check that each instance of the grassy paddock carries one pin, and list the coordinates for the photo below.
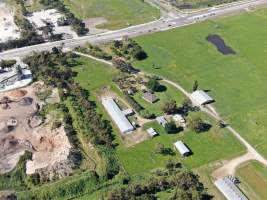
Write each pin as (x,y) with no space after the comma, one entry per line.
(118,13)
(253,178)
(237,82)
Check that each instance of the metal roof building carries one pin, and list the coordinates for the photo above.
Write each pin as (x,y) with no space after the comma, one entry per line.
(180,146)
(152,132)
(229,189)
(150,97)
(161,120)
(117,115)
(201,98)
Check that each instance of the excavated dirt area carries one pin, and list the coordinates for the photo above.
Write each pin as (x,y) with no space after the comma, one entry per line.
(93,23)
(22,129)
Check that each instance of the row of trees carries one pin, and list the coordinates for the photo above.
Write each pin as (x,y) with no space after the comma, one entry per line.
(94,51)
(185,184)
(54,68)
(129,49)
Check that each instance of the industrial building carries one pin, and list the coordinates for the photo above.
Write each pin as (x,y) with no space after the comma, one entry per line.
(201,98)
(180,146)
(15,77)
(229,189)
(117,115)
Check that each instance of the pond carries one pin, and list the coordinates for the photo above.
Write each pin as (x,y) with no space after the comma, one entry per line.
(217,41)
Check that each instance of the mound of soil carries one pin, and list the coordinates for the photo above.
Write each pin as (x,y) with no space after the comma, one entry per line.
(35,121)
(18,93)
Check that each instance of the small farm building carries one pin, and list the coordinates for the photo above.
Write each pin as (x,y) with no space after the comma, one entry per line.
(161,120)
(128,112)
(201,98)
(150,97)
(180,146)
(152,132)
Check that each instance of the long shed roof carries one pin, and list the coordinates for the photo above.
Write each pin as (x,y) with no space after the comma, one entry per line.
(229,189)
(117,115)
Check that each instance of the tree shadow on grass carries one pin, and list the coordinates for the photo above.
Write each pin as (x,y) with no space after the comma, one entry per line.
(162,88)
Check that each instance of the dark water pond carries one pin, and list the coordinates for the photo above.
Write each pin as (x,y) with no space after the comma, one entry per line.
(217,41)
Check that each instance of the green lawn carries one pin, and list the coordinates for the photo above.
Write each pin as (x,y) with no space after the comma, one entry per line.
(207,147)
(93,76)
(237,82)
(119,13)
(253,178)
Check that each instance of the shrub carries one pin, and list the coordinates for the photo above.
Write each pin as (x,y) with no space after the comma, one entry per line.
(147,114)
(171,127)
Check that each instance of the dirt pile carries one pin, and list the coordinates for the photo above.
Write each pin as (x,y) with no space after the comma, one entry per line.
(7,195)
(17,93)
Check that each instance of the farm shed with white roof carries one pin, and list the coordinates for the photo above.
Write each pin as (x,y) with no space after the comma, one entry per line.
(229,189)
(152,132)
(180,146)
(117,115)
(201,98)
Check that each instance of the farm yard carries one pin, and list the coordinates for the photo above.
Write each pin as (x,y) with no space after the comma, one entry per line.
(207,148)
(253,178)
(117,13)
(236,81)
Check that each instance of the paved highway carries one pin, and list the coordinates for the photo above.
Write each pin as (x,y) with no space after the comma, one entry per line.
(163,24)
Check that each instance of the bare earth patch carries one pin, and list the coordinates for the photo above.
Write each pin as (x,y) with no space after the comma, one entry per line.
(93,23)
(9,29)
(21,129)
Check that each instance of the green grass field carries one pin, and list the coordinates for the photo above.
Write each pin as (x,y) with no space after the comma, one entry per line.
(207,147)
(237,82)
(119,13)
(253,178)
